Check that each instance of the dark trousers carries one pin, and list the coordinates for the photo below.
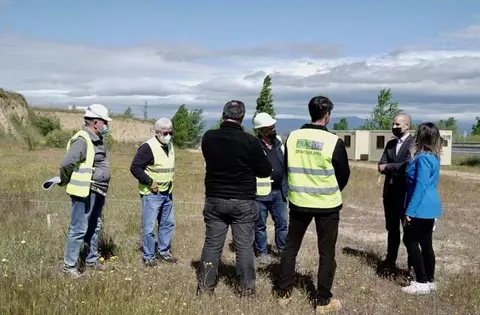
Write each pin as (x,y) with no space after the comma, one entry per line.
(418,240)
(327,232)
(218,215)
(394,209)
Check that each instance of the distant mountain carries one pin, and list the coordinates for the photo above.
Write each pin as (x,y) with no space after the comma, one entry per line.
(288,124)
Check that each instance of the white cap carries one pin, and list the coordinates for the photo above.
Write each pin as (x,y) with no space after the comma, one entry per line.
(263,120)
(97,111)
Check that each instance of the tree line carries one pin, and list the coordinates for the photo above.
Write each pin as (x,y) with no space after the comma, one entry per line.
(189,124)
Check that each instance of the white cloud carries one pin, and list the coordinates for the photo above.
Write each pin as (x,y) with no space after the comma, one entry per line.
(428,83)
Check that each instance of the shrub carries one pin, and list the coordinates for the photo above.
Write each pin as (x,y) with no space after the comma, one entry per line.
(473,161)
(57,138)
(44,124)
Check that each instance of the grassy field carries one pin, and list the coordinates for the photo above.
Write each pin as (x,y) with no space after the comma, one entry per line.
(31,252)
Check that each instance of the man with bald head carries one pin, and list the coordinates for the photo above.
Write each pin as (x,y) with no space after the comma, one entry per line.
(393,165)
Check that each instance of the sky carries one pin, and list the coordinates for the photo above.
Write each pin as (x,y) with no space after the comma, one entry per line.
(205,53)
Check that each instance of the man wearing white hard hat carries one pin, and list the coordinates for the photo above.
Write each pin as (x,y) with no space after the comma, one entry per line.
(153,166)
(85,174)
(271,191)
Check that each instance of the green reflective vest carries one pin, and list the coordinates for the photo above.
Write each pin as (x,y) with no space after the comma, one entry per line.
(162,169)
(81,179)
(311,176)
(264,185)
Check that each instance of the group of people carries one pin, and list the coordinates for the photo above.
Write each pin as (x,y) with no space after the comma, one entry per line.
(247,177)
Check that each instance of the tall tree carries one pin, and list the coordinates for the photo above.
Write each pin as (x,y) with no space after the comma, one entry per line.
(476,127)
(383,113)
(341,125)
(217,124)
(448,124)
(188,126)
(128,113)
(265,100)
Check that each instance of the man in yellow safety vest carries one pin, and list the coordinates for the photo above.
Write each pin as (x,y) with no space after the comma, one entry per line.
(85,174)
(153,167)
(317,172)
(272,190)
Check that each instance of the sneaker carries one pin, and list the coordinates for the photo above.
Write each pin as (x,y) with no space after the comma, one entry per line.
(150,263)
(417,288)
(332,306)
(433,286)
(72,272)
(97,266)
(263,259)
(167,258)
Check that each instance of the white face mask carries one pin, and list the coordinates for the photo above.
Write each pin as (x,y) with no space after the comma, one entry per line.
(167,139)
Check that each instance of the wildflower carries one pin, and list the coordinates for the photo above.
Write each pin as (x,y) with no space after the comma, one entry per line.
(4,260)
(23,242)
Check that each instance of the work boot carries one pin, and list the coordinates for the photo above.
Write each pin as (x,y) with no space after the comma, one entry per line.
(332,306)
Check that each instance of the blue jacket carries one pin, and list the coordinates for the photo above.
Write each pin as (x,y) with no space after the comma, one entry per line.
(278,148)
(423,200)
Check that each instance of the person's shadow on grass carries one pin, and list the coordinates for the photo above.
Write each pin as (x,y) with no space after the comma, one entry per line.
(373,260)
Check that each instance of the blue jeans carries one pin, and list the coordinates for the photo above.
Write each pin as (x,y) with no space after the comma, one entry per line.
(85,226)
(278,210)
(157,207)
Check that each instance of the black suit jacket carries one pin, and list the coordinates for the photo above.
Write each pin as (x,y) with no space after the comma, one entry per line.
(394,188)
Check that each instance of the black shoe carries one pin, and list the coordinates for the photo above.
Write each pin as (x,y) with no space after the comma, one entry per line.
(167,258)
(387,268)
(208,292)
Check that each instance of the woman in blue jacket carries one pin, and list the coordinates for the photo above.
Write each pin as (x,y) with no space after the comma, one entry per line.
(423,206)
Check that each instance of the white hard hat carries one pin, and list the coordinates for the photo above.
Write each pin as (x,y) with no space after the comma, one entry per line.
(263,120)
(97,111)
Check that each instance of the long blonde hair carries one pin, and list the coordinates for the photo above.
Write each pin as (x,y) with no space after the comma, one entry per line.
(427,139)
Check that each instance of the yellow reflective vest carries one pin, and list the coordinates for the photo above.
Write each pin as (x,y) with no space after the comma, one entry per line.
(81,178)
(310,175)
(264,185)
(162,169)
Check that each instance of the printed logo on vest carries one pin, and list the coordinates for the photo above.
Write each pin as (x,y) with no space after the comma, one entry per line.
(309,145)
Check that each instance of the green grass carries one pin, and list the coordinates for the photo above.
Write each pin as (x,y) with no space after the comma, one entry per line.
(31,253)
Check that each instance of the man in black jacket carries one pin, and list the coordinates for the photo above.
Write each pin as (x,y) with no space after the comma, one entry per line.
(317,172)
(233,159)
(393,165)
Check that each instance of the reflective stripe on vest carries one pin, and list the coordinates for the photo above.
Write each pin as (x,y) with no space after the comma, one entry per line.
(264,185)
(162,169)
(311,176)
(81,179)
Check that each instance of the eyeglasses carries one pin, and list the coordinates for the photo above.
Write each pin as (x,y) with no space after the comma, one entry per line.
(167,133)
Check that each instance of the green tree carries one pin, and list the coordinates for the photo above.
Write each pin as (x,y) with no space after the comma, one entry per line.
(383,113)
(128,113)
(476,127)
(217,124)
(341,125)
(188,126)
(265,100)
(448,124)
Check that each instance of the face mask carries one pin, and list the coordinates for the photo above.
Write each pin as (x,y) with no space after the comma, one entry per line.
(272,135)
(104,131)
(167,138)
(397,132)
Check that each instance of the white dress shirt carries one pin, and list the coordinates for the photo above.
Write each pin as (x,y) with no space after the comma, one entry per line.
(400,142)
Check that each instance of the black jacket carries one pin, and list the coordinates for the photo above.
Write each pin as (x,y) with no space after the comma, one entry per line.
(394,187)
(340,164)
(233,159)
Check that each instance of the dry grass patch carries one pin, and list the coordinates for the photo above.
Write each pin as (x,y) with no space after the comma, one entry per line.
(32,253)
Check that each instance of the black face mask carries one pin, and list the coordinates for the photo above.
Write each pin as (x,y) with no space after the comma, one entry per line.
(397,132)
(272,135)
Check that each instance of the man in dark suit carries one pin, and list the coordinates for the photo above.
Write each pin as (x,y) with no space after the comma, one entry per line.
(393,165)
